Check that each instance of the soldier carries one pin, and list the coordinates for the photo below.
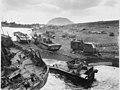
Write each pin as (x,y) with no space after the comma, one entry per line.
(49,41)
(79,67)
(26,84)
(18,61)
(44,40)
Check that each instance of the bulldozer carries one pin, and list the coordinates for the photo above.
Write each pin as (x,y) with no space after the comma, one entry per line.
(87,48)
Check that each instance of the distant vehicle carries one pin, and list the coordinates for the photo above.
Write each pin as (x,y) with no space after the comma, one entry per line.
(85,47)
(35,28)
(97,32)
(45,43)
(50,34)
(22,38)
(77,71)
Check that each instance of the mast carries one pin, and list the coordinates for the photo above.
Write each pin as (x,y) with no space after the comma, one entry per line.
(2,29)
(3,54)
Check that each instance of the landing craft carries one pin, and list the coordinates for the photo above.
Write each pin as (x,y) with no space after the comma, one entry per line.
(25,69)
(22,38)
(76,70)
(45,43)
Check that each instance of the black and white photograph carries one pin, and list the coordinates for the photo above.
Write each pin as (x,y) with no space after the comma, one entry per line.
(60,44)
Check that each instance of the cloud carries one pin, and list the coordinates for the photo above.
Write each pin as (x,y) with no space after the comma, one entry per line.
(60,7)
(43,7)
(43,10)
(63,4)
(14,4)
(75,4)
(110,2)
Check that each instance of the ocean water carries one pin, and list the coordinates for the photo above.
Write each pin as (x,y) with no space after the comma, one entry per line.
(10,31)
(107,77)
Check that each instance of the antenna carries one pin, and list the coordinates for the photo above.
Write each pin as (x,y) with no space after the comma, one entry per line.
(8,33)
(2,29)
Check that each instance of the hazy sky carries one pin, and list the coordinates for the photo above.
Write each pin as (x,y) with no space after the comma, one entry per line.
(78,11)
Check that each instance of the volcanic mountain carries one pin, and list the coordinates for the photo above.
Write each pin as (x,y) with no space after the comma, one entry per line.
(59,21)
